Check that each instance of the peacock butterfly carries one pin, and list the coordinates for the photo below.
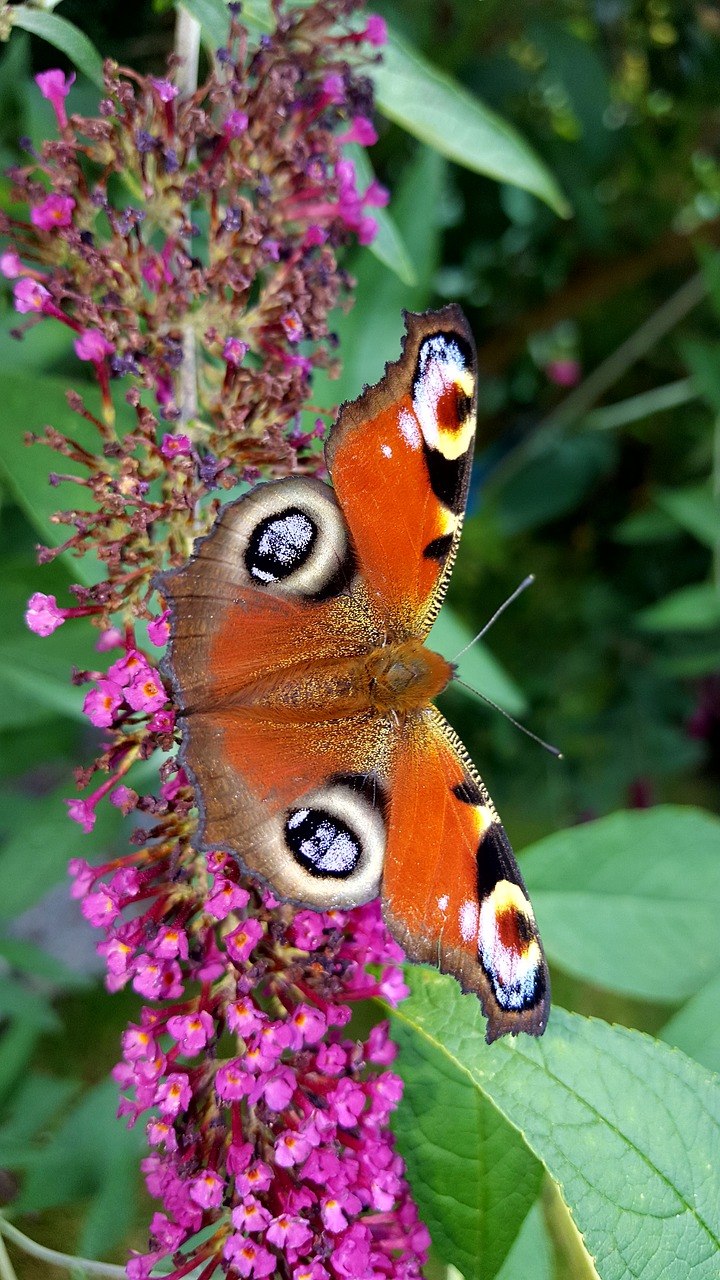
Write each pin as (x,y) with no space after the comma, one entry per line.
(305,689)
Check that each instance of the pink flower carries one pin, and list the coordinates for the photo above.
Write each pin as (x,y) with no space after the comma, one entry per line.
(240,943)
(232,1081)
(43,615)
(226,896)
(235,351)
(207,1190)
(192,1031)
(91,345)
(159,630)
(287,1232)
(83,812)
(564,372)
(165,90)
(393,986)
(334,1210)
(145,691)
(293,326)
(250,1216)
(249,1259)
(174,1094)
(55,86)
(362,130)
(376,30)
(30,296)
(109,639)
(176,446)
(10,264)
(101,704)
(235,124)
(55,211)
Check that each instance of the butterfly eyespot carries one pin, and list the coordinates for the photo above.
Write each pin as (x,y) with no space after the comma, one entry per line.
(322,843)
(336,839)
(279,545)
(290,537)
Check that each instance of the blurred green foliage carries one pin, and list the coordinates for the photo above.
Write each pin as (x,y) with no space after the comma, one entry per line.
(597,470)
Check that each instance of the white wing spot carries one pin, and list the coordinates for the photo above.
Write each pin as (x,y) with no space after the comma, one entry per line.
(409,429)
(468,916)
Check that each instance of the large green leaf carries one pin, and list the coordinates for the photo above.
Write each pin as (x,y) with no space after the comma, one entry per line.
(433,107)
(478,667)
(39,840)
(30,406)
(531,1255)
(696,509)
(427,103)
(63,35)
(627,1127)
(471,1173)
(631,902)
(94,1155)
(693,608)
(696,1027)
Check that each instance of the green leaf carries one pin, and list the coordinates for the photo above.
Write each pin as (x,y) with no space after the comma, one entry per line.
(63,35)
(555,482)
(34,1106)
(26,468)
(472,1175)
(627,1127)
(370,333)
(435,108)
(388,246)
(645,526)
(696,1027)
(531,1254)
(40,838)
(28,958)
(693,608)
(93,1155)
(214,20)
(631,902)
(478,666)
(702,360)
(696,509)
(35,671)
(19,1002)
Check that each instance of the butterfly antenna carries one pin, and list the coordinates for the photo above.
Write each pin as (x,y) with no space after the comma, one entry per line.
(548,747)
(526,582)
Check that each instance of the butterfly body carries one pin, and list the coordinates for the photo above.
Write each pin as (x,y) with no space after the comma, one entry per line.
(306,689)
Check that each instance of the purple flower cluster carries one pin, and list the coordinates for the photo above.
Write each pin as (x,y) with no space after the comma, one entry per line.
(268,1122)
(268,1118)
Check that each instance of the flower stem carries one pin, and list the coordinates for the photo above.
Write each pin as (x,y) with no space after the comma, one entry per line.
(66,1260)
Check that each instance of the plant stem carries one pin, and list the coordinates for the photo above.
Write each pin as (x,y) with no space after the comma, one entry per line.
(66,1260)
(573,410)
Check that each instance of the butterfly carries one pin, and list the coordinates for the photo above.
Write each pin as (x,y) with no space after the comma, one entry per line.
(305,689)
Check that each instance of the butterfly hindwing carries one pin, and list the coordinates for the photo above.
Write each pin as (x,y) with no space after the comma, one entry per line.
(452,891)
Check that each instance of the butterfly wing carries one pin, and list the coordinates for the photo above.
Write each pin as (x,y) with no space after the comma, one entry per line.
(452,891)
(400,459)
(265,616)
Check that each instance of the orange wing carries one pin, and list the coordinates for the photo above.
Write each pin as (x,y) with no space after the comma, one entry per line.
(400,459)
(452,892)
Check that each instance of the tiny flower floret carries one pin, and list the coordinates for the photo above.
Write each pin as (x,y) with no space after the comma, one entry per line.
(43,615)
(55,211)
(30,296)
(55,86)
(92,345)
